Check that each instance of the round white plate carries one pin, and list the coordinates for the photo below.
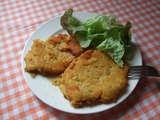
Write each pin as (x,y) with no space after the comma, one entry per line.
(51,95)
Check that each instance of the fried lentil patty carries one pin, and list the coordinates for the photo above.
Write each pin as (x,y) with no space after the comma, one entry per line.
(53,55)
(92,77)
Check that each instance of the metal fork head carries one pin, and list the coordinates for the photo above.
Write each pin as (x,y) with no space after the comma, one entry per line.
(142,71)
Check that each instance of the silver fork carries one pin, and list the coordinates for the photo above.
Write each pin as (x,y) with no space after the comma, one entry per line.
(142,71)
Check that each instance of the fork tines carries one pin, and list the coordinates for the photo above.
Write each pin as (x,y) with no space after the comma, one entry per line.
(135,72)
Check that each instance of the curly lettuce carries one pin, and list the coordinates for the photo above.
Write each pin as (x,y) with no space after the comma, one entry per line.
(101,32)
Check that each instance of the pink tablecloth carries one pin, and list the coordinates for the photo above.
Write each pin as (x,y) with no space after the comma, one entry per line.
(19,19)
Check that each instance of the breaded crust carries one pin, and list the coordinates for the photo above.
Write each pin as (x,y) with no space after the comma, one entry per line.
(92,77)
(53,55)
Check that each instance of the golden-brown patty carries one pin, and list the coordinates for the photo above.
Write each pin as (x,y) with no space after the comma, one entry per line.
(53,55)
(92,77)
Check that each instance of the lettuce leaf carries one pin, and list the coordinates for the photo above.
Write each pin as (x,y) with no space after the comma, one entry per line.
(101,32)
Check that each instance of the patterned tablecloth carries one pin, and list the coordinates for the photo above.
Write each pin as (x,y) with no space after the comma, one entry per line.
(19,19)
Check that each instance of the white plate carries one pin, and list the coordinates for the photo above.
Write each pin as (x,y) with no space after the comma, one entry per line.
(50,94)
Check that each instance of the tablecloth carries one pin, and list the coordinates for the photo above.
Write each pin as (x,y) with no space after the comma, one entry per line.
(20,18)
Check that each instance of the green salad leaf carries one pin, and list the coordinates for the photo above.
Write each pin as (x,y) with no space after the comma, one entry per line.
(101,32)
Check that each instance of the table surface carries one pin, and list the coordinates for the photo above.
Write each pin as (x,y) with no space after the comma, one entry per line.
(19,19)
